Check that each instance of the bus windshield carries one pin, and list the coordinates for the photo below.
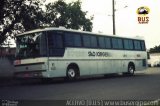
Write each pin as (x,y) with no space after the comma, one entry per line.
(31,45)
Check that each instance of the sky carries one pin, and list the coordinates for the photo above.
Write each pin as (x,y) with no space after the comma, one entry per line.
(125,18)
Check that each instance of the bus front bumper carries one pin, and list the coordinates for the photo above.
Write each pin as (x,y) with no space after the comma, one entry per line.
(30,70)
(32,74)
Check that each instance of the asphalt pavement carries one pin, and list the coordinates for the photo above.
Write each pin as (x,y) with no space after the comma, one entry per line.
(142,86)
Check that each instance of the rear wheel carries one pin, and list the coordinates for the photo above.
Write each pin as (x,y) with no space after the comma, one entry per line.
(131,70)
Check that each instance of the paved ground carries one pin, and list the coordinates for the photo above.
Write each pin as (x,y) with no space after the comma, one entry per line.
(142,86)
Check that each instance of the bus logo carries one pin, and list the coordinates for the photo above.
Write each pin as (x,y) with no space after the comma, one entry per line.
(143,12)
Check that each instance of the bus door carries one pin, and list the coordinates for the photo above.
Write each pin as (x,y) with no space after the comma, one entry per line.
(56,52)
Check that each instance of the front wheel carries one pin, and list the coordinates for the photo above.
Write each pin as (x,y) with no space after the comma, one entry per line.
(72,73)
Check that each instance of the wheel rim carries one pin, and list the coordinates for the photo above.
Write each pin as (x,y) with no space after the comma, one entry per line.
(71,73)
(131,70)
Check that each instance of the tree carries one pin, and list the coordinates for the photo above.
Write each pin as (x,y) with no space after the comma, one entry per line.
(17,16)
(67,15)
(156,49)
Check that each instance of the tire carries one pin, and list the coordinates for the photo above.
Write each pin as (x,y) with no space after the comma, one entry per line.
(131,70)
(72,73)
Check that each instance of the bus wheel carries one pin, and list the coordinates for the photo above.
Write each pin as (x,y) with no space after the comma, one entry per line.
(131,70)
(72,73)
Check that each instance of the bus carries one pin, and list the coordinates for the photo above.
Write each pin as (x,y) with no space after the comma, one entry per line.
(59,52)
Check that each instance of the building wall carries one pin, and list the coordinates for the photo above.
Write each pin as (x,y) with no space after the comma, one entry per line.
(154,59)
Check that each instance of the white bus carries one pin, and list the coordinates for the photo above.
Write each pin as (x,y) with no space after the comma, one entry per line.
(60,52)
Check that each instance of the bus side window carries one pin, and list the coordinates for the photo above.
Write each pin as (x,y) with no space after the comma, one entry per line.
(128,44)
(107,42)
(86,41)
(94,42)
(143,46)
(117,43)
(137,45)
(114,43)
(58,41)
(55,44)
(101,42)
(73,40)
(77,40)
(69,38)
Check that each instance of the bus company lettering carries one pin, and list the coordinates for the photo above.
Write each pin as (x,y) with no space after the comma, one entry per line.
(98,54)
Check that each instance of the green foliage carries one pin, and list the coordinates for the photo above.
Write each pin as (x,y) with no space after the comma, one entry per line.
(156,49)
(67,15)
(17,16)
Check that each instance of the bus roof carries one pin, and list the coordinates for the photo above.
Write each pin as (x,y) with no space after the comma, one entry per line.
(78,31)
